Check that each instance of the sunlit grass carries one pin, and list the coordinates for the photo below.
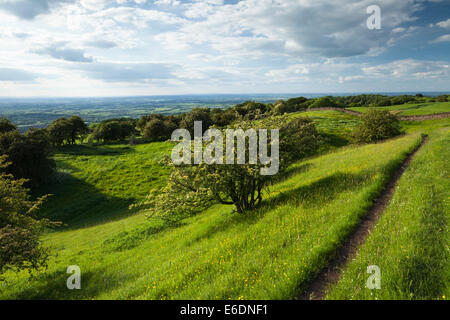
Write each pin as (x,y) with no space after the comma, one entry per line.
(410,242)
(270,253)
(413,109)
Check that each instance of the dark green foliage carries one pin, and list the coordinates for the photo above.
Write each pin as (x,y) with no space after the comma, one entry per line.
(385,102)
(376,126)
(222,118)
(402,99)
(20,247)
(373,100)
(115,130)
(79,129)
(64,130)
(324,102)
(29,154)
(442,98)
(292,105)
(142,122)
(60,132)
(251,110)
(197,114)
(156,130)
(6,125)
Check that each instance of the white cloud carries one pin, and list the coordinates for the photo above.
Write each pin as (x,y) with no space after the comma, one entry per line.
(207,45)
(62,51)
(444,38)
(409,68)
(444,24)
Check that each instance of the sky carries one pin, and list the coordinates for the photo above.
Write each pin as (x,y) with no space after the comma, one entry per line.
(76,48)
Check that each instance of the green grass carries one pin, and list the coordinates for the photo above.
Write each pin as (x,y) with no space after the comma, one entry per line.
(413,109)
(270,253)
(335,127)
(97,183)
(410,242)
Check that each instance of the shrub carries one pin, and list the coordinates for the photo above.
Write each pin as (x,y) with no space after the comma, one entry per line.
(20,247)
(29,154)
(196,114)
(324,102)
(155,130)
(442,98)
(193,188)
(6,125)
(292,105)
(376,126)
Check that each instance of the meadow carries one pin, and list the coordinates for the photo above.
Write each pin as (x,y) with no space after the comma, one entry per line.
(413,109)
(410,242)
(270,253)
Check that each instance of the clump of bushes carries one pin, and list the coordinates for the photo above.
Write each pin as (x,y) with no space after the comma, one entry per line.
(377,125)
(292,105)
(325,102)
(442,98)
(113,130)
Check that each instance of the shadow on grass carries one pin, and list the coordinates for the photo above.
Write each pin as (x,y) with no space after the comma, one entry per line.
(130,239)
(334,140)
(94,150)
(292,171)
(79,204)
(53,286)
(317,193)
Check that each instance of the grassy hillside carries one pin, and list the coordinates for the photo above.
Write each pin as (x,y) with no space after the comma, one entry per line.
(270,253)
(410,242)
(413,109)
(98,183)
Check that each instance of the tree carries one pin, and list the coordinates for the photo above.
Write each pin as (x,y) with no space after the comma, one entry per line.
(196,114)
(142,122)
(376,126)
(79,128)
(222,118)
(20,247)
(29,154)
(6,125)
(114,130)
(156,130)
(192,188)
(60,131)
(251,110)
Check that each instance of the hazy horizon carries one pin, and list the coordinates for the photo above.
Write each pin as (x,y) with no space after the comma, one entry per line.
(100,48)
